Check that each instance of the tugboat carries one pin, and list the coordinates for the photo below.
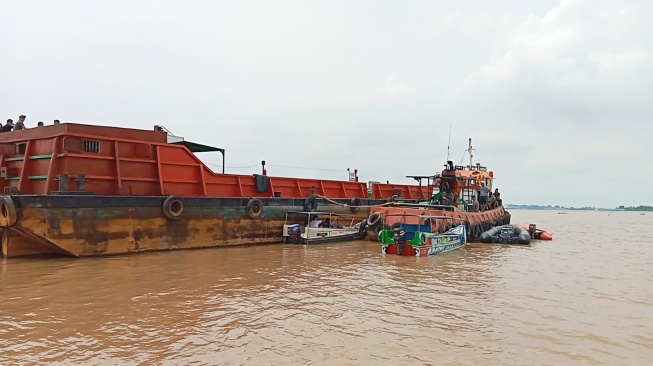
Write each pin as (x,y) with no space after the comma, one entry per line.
(452,195)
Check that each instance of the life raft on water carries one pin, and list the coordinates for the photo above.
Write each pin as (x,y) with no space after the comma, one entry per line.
(506,234)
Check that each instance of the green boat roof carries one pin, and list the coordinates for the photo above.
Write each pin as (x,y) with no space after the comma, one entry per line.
(195,147)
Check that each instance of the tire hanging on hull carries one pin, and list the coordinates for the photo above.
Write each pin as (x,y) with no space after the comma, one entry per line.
(173,207)
(7,211)
(254,208)
(310,204)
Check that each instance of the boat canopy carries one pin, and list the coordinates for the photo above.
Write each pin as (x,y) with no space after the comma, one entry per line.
(194,147)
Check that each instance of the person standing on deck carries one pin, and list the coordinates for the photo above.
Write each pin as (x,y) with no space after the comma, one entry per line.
(20,125)
(483,195)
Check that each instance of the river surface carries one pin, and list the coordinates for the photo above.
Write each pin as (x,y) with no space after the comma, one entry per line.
(585,298)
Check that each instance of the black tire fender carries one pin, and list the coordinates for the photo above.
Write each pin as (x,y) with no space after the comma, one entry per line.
(362,230)
(374,220)
(7,211)
(254,208)
(355,205)
(310,204)
(173,207)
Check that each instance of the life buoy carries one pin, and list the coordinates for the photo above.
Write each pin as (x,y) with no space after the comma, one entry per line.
(310,204)
(374,220)
(7,211)
(173,207)
(355,204)
(254,208)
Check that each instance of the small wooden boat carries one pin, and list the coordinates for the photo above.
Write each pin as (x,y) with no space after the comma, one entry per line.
(306,227)
(506,234)
(419,239)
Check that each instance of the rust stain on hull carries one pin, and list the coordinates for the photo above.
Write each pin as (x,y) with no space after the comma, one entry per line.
(85,232)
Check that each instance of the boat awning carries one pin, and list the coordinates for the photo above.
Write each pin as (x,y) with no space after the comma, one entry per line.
(195,147)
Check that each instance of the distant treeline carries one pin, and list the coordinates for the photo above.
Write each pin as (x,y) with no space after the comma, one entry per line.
(549,207)
(638,208)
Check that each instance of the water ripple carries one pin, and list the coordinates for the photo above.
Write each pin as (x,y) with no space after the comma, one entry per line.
(584,298)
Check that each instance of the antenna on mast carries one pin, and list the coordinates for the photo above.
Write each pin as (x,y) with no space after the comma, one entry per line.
(449,142)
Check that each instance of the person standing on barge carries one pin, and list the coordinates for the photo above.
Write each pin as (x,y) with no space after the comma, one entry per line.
(9,126)
(20,125)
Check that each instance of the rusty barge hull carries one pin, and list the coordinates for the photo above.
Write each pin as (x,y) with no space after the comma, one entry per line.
(81,226)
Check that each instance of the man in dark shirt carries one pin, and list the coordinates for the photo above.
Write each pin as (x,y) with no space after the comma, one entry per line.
(9,126)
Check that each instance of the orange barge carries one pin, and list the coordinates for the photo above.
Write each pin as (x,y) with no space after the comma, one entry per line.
(84,190)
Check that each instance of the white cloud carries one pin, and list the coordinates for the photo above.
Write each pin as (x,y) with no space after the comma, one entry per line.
(543,85)
(391,88)
(612,63)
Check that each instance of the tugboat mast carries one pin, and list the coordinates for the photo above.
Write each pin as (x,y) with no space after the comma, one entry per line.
(471,155)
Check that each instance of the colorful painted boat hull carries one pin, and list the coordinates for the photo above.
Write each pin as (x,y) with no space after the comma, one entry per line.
(426,244)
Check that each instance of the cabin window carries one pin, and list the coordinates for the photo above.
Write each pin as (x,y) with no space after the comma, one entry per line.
(21,148)
(92,146)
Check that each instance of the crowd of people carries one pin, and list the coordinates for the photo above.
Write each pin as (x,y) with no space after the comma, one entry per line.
(315,222)
(487,199)
(20,124)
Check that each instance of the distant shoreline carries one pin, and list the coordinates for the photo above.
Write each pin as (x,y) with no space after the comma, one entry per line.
(560,208)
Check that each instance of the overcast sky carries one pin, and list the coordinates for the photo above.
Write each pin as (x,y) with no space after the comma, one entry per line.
(556,95)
